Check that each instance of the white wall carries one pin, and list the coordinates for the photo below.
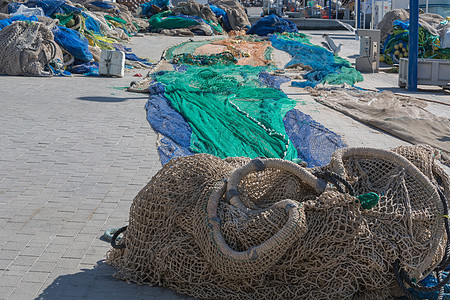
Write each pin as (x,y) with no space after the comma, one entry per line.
(400,4)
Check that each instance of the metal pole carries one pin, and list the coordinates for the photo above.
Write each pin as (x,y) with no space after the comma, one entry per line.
(337,9)
(363,11)
(358,14)
(372,17)
(426,6)
(413,44)
(329,9)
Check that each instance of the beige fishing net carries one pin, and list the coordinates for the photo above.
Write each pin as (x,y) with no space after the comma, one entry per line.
(270,229)
(26,48)
(235,12)
(400,115)
(246,52)
(193,8)
(385,25)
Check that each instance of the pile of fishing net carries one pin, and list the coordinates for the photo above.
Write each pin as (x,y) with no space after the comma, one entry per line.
(167,20)
(78,33)
(238,228)
(220,99)
(245,51)
(395,36)
(235,14)
(152,7)
(27,49)
(272,24)
(402,116)
(204,19)
(320,64)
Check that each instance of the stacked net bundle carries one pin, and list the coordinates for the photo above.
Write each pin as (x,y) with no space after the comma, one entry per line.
(270,229)
(193,8)
(81,33)
(236,17)
(26,49)
(385,25)
(396,46)
(272,24)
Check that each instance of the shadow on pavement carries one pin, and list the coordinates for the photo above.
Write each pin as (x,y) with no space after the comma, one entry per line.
(421,89)
(108,99)
(98,283)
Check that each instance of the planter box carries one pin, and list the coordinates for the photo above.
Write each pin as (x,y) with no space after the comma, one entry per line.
(429,72)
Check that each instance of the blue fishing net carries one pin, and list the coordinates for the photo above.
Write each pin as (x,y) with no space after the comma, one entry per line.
(325,66)
(121,47)
(92,24)
(147,7)
(6,22)
(84,67)
(273,81)
(220,13)
(272,24)
(430,281)
(129,55)
(164,119)
(314,142)
(50,7)
(73,42)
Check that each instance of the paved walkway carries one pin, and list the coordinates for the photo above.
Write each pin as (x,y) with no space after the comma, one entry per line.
(73,154)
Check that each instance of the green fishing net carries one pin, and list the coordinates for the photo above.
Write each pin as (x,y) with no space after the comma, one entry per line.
(230,111)
(346,74)
(185,48)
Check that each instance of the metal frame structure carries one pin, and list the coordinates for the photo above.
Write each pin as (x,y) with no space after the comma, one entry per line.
(413,39)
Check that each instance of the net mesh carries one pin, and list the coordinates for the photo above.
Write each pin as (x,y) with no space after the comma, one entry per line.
(402,116)
(22,51)
(224,94)
(326,68)
(273,231)
(250,119)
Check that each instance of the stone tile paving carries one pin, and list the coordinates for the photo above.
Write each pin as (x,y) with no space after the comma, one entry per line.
(74,153)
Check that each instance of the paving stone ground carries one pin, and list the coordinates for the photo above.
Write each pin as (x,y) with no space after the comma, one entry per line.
(73,154)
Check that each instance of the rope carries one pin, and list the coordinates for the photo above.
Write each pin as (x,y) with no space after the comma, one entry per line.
(367,201)
(445,262)
(400,282)
(335,179)
(114,238)
(441,291)
(402,277)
